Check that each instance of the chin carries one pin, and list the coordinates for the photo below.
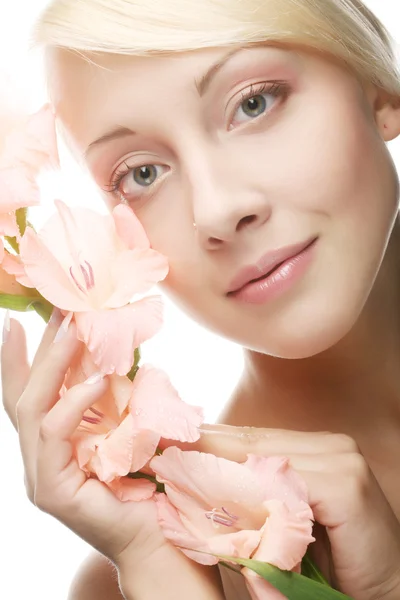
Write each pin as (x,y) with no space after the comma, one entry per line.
(303,337)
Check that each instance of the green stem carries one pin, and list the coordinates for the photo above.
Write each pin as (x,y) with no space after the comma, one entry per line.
(140,475)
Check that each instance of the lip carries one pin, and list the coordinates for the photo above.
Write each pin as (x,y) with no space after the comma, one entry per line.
(266,264)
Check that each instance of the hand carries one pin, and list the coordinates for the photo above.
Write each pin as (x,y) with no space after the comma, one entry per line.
(358,536)
(127,533)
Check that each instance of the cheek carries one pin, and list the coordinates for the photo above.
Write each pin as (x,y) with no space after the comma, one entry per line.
(339,165)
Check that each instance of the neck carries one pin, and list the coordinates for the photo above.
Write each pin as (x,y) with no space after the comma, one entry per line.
(353,388)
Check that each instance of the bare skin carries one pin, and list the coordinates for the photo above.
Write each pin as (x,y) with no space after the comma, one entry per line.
(324,357)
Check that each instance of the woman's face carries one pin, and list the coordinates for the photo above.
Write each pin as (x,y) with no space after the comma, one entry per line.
(267,150)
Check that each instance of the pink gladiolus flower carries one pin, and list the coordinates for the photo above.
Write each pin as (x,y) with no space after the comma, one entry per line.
(25,152)
(213,506)
(93,265)
(121,432)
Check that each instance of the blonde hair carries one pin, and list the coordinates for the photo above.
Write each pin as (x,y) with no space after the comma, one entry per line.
(345,29)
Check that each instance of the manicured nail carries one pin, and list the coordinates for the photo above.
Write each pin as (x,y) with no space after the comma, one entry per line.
(6,326)
(62,331)
(95,378)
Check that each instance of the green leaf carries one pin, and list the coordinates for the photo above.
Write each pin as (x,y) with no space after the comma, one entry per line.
(309,569)
(26,303)
(135,367)
(21,216)
(13,243)
(138,475)
(292,585)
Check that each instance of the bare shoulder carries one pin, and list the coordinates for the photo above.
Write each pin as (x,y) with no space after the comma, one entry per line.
(96,579)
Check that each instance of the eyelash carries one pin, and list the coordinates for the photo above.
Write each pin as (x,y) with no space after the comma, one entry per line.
(276,89)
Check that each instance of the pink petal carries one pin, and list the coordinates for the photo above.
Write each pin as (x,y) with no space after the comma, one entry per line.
(18,188)
(205,481)
(47,275)
(81,238)
(285,535)
(124,329)
(115,452)
(85,445)
(2,251)
(132,490)
(9,284)
(144,447)
(283,482)
(129,228)
(135,272)
(26,152)
(121,388)
(240,544)
(13,265)
(156,405)
(259,588)
(8,222)
(175,531)
(41,139)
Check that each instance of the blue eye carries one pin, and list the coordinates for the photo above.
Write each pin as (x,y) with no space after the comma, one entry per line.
(145,175)
(254,106)
(257,100)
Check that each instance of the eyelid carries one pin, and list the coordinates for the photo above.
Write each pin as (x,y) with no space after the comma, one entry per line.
(118,176)
(277,88)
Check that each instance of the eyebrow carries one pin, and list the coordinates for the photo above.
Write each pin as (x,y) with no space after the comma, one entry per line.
(114,134)
(204,83)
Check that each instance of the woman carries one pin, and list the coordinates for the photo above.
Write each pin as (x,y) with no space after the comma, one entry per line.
(250,139)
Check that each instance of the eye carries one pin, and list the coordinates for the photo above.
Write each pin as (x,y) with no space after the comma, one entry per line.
(130,182)
(256,101)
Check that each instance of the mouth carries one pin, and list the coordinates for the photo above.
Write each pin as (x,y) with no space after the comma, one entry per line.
(267,265)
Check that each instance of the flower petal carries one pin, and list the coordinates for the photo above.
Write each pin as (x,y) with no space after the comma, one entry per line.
(240,544)
(132,490)
(129,228)
(113,335)
(283,482)
(47,275)
(121,388)
(285,535)
(144,448)
(13,265)
(115,451)
(8,222)
(175,531)
(135,272)
(208,481)
(156,405)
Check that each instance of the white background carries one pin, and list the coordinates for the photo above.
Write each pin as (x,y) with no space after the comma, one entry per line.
(38,555)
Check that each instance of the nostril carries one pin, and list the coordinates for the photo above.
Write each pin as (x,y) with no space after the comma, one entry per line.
(246,221)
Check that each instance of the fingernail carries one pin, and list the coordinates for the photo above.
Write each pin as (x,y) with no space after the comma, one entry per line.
(56,316)
(6,326)
(62,331)
(95,378)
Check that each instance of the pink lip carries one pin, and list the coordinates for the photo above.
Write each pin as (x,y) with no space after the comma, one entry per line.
(267,263)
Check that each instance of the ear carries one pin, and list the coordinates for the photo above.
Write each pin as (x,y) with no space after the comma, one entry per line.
(387,114)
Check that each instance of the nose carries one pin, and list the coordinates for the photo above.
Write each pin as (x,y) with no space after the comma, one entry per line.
(227,202)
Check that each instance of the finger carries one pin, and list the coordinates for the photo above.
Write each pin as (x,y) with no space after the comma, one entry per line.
(41,394)
(56,464)
(14,366)
(235,443)
(49,334)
